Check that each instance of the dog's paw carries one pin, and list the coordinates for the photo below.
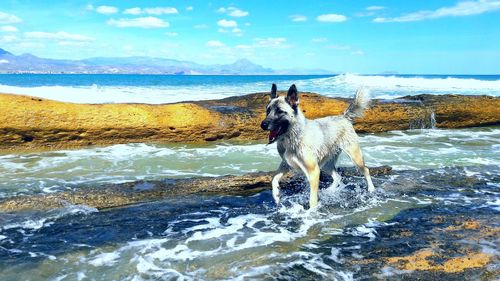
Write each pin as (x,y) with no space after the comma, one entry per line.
(276,194)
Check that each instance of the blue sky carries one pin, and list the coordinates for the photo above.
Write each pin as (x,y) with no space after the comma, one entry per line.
(451,37)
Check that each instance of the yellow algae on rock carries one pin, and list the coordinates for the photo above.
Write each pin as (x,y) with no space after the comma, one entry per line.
(421,260)
(33,123)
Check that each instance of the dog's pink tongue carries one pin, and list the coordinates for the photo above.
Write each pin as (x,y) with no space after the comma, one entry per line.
(272,135)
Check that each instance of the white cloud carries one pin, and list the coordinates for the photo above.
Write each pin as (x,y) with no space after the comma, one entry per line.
(464,8)
(4,61)
(227,23)
(331,18)
(8,28)
(271,42)
(127,47)
(8,18)
(72,43)
(201,26)
(233,12)
(244,47)
(171,33)
(142,22)
(151,11)
(133,11)
(298,18)
(345,48)
(319,40)
(189,8)
(61,35)
(8,38)
(106,10)
(215,44)
(375,8)
(161,11)
(237,31)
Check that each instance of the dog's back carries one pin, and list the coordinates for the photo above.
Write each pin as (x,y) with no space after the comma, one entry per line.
(328,136)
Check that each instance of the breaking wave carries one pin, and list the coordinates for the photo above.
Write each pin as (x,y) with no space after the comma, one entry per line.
(166,91)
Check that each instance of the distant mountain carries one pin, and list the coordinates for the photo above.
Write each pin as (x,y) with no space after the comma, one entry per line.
(4,52)
(28,63)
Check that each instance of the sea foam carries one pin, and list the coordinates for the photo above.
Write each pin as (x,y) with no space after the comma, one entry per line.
(343,85)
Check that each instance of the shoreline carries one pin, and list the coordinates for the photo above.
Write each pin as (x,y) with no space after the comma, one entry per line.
(33,124)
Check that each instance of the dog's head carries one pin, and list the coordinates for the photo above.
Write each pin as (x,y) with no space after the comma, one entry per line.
(280,111)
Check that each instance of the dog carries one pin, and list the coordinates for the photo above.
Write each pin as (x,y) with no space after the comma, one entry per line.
(310,145)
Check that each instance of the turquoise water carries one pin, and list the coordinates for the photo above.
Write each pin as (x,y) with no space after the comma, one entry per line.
(170,88)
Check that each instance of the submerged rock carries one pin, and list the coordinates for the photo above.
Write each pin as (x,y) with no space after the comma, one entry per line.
(35,123)
(116,195)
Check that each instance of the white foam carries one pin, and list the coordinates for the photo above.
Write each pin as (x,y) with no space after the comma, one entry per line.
(418,83)
(342,85)
(47,172)
(46,219)
(105,259)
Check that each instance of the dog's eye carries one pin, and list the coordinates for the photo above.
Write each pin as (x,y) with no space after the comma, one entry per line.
(279,111)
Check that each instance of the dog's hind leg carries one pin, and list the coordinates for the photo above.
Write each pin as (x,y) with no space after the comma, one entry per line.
(330,167)
(356,156)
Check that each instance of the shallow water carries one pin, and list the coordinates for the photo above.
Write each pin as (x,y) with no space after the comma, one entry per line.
(51,171)
(235,237)
(441,178)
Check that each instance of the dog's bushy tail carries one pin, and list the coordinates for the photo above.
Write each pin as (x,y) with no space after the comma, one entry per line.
(358,106)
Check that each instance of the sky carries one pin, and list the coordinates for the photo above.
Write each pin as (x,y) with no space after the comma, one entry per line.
(364,36)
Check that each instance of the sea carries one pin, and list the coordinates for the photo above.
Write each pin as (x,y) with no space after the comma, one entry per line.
(440,176)
(155,89)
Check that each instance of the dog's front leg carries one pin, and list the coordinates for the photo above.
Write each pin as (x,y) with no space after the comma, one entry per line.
(282,169)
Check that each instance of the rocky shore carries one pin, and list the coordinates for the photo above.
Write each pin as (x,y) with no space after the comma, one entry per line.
(30,123)
(118,195)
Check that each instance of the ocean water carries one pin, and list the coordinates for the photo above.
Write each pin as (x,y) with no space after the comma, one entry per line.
(170,88)
(440,177)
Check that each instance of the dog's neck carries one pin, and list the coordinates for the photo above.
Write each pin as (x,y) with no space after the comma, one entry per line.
(292,138)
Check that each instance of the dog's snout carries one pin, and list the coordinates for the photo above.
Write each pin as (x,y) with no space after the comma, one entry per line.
(264,125)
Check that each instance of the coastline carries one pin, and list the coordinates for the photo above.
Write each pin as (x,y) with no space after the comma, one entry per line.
(31,123)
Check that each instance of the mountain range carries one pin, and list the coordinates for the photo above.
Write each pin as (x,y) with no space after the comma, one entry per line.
(28,63)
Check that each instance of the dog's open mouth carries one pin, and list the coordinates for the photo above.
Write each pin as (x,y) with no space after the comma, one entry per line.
(274,134)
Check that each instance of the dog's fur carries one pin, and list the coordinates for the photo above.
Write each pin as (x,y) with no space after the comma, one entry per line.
(310,145)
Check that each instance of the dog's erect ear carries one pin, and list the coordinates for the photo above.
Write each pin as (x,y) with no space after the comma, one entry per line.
(274,91)
(293,97)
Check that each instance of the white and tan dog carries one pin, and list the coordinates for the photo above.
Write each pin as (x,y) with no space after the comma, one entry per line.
(310,145)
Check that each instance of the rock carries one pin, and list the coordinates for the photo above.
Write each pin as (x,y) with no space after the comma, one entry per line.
(116,195)
(34,123)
